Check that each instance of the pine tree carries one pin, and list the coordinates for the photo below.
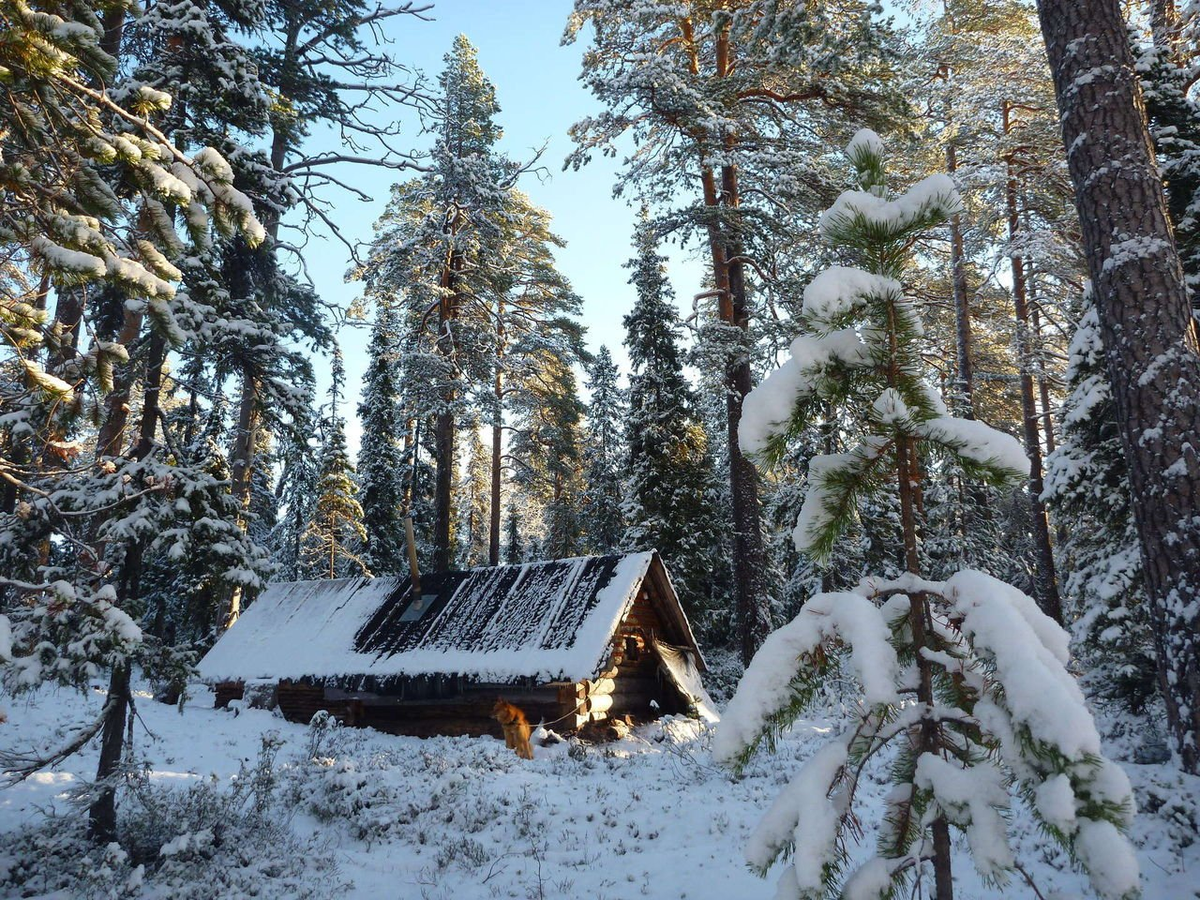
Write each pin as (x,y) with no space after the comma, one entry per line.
(603,457)
(727,92)
(482,304)
(1139,289)
(966,649)
(95,219)
(436,244)
(671,481)
(547,454)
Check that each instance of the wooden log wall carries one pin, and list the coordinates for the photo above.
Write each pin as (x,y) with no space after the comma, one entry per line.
(226,691)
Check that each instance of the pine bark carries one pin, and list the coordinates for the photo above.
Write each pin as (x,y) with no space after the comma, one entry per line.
(494,498)
(443,444)
(1150,339)
(444,424)
(1045,577)
(497,444)
(726,249)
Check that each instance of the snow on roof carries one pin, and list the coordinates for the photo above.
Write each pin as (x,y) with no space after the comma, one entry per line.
(546,620)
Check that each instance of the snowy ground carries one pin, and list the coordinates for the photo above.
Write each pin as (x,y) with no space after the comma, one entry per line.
(376,816)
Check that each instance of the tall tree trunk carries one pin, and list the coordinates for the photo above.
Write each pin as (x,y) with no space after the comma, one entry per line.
(749,550)
(1045,577)
(443,443)
(497,442)
(1150,338)
(102,815)
(725,248)
(497,460)
(964,368)
(241,474)
(444,425)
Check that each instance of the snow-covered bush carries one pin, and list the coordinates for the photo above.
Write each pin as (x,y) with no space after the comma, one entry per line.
(964,682)
(195,843)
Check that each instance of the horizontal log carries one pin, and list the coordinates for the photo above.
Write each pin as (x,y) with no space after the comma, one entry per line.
(599,686)
(596,704)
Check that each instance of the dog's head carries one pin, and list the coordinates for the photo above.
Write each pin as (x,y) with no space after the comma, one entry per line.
(502,711)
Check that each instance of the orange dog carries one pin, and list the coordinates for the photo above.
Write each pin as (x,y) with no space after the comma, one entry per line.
(516,728)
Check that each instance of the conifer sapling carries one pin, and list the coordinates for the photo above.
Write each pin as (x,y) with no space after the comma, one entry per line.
(964,681)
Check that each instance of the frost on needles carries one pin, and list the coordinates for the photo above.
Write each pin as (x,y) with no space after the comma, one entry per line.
(964,682)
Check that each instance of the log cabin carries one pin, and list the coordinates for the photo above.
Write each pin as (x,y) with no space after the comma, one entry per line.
(572,642)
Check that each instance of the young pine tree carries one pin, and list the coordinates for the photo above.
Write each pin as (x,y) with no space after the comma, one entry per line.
(964,681)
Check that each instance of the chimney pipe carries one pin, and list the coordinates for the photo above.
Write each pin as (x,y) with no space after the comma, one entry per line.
(412,558)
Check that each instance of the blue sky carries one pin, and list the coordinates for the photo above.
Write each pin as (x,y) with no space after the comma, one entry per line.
(540,97)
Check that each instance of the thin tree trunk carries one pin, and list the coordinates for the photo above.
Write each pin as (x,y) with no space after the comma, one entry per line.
(1045,577)
(964,369)
(926,737)
(240,470)
(1150,338)
(151,394)
(1042,380)
(102,815)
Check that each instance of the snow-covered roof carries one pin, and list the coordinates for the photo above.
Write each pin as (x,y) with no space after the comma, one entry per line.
(546,620)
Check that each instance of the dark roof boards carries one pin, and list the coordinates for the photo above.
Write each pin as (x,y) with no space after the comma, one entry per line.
(548,621)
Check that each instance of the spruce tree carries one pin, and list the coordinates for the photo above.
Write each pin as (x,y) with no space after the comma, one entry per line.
(381,457)
(995,704)
(1169,67)
(514,545)
(671,482)
(334,537)
(1087,483)
(474,494)
(604,457)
